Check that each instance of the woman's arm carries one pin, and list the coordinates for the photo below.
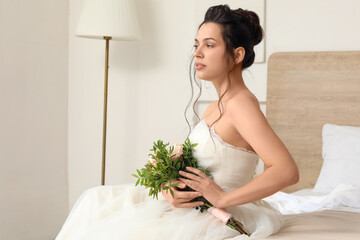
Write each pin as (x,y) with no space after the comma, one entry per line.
(281,170)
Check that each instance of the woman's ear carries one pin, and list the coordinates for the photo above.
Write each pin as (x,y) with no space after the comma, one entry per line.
(239,54)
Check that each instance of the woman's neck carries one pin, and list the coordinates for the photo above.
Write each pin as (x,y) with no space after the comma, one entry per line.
(237,84)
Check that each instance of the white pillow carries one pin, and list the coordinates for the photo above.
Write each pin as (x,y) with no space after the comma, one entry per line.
(341,155)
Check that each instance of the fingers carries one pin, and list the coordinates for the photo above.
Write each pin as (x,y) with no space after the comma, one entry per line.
(190,176)
(182,199)
(181,184)
(184,195)
(192,184)
(187,195)
(197,176)
(190,204)
(196,171)
(184,202)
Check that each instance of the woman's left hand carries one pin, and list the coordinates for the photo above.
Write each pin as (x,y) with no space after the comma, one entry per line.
(205,185)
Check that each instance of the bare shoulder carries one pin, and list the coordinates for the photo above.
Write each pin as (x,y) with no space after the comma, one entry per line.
(244,102)
(247,117)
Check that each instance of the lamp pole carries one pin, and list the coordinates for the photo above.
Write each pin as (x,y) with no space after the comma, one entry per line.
(107,39)
(108,20)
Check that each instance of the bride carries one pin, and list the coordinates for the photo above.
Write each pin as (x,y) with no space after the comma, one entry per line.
(232,135)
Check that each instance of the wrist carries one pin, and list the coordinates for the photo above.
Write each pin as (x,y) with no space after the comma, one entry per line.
(222,201)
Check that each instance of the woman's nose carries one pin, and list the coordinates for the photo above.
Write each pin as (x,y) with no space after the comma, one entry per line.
(198,53)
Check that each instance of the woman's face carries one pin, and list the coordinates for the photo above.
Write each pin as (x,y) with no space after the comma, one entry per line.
(210,53)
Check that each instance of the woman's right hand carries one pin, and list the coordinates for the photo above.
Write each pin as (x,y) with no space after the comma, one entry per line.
(181,199)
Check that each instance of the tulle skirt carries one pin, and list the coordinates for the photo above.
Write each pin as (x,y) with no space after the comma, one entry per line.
(126,212)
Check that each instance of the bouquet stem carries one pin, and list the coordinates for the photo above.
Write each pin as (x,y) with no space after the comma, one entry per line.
(226,218)
(234,224)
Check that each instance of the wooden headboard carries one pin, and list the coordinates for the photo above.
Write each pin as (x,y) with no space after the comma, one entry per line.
(306,90)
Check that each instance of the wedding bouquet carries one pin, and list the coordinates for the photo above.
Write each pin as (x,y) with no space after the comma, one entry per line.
(163,167)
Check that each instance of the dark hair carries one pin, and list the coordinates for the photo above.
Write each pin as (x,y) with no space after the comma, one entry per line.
(240,28)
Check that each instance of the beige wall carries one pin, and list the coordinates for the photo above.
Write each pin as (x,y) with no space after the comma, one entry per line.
(33,118)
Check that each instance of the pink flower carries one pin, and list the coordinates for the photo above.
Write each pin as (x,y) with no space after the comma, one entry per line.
(152,161)
(156,158)
(178,151)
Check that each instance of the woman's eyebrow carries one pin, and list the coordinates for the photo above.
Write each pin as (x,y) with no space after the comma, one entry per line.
(206,39)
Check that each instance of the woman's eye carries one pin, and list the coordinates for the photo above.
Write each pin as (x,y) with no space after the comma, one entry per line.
(208,45)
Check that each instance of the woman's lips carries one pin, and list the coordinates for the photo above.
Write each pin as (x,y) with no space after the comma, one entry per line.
(199,66)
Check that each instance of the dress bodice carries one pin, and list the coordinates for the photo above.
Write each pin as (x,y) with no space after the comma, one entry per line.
(231,167)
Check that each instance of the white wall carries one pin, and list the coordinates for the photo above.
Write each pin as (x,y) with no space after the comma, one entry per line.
(148,81)
(147,93)
(33,118)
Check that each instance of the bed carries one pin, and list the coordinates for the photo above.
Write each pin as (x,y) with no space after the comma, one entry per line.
(313,104)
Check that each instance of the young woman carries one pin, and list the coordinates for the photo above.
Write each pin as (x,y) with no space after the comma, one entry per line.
(223,48)
(230,152)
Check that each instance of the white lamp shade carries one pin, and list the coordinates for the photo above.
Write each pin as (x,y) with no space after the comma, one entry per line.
(112,18)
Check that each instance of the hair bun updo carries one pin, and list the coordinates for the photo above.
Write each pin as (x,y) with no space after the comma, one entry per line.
(253,21)
(240,28)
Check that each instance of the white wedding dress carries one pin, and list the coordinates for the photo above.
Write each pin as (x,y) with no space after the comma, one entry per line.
(126,212)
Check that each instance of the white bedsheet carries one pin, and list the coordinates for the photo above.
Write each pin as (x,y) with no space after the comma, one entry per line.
(342,198)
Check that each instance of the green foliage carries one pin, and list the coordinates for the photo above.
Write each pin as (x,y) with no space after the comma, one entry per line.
(158,176)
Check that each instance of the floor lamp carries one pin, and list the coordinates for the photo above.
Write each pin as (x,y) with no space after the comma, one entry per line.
(108,20)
